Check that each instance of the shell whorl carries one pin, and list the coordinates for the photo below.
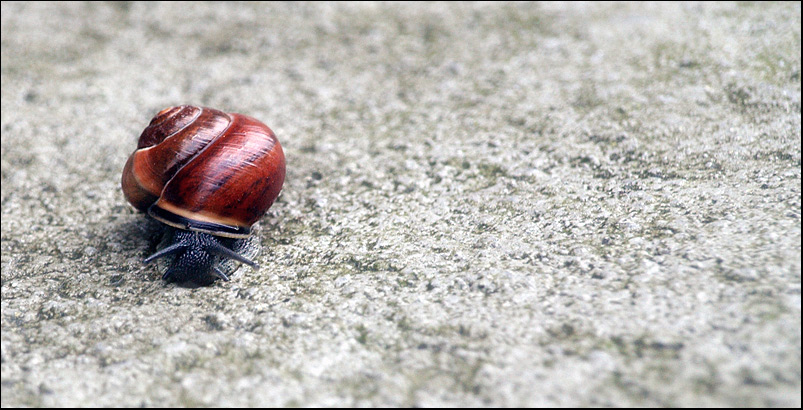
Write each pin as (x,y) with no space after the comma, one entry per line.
(204,169)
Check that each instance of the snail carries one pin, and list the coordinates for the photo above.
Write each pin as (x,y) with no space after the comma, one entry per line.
(208,176)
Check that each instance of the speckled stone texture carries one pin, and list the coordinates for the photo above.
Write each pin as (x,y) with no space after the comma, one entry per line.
(486,204)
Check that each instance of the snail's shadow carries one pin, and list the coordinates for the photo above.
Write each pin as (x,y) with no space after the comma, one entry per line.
(137,237)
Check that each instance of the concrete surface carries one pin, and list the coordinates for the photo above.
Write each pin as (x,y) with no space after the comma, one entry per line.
(486,205)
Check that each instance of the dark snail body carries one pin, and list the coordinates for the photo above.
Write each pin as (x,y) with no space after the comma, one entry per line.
(209,176)
(201,258)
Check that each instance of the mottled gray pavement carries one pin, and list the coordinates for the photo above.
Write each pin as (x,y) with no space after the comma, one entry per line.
(486,204)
